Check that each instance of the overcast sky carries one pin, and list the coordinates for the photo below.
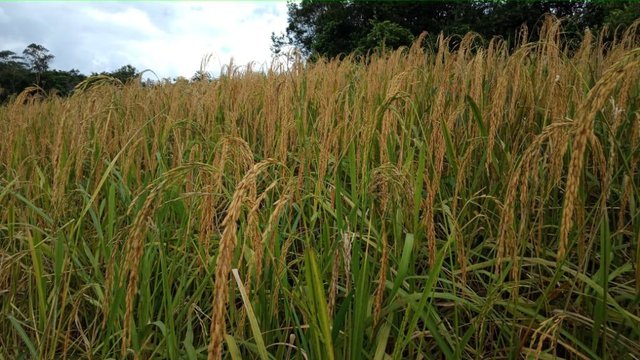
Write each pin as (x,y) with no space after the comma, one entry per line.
(170,38)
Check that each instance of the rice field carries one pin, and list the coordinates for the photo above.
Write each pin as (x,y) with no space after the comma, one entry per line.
(420,204)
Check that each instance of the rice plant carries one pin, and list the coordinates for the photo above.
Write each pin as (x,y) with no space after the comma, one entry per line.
(473,200)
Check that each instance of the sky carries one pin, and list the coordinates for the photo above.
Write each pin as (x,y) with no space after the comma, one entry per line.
(169,38)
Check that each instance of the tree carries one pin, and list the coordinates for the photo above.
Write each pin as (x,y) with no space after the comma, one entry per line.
(622,15)
(333,28)
(125,73)
(320,28)
(326,28)
(38,59)
(385,34)
(14,75)
(8,56)
(202,75)
(61,82)
(17,73)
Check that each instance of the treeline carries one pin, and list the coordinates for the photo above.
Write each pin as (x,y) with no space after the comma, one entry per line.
(322,28)
(328,29)
(32,67)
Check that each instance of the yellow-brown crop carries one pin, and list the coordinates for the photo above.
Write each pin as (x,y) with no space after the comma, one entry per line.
(477,203)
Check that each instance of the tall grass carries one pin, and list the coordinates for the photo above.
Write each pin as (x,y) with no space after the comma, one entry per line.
(476,203)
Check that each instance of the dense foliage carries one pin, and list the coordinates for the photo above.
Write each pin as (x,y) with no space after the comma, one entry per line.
(32,68)
(330,28)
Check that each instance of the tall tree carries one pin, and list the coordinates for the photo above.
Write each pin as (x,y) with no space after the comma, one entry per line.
(8,56)
(14,75)
(38,59)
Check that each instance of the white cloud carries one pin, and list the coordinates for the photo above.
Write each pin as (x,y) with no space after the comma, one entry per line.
(131,19)
(170,38)
(4,18)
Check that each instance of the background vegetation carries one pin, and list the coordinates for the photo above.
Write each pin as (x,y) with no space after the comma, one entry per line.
(322,28)
(481,203)
(32,68)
